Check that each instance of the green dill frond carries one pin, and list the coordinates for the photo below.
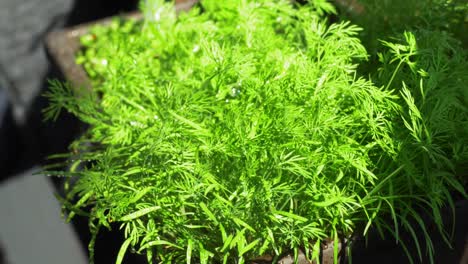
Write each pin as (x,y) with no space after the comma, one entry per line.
(243,128)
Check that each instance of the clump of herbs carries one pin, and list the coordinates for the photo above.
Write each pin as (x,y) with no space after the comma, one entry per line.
(419,47)
(241,128)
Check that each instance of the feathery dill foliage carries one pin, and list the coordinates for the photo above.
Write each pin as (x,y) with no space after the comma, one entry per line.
(383,18)
(428,68)
(419,49)
(243,130)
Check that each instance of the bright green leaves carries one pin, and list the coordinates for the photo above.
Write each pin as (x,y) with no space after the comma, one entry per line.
(246,129)
(208,213)
(159,15)
(416,124)
(424,66)
(139,213)
(286,216)
(244,249)
(403,52)
(323,7)
(189,252)
(122,251)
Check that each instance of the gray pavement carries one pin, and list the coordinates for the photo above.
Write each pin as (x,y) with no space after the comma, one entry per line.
(31,227)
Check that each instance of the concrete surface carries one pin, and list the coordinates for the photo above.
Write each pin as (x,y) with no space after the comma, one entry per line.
(31,227)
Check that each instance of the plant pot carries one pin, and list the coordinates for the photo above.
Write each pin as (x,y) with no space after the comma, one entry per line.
(326,254)
(61,46)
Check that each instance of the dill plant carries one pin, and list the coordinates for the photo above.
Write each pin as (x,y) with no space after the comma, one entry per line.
(242,128)
(419,48)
